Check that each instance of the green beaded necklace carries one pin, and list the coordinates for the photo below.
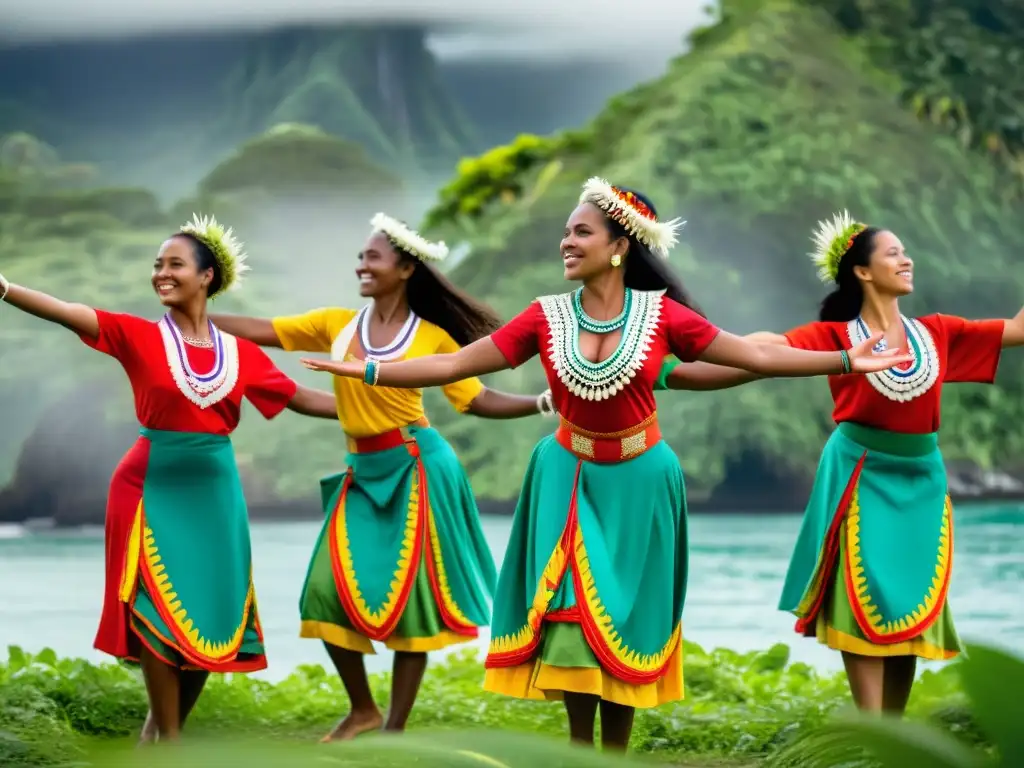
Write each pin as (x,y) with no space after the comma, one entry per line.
(587,323)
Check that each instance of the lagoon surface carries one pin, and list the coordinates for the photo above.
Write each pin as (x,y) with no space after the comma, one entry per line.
(51,585)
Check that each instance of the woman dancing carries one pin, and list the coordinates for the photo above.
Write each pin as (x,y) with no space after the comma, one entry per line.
(591,590)
(401,558)
(179,594)
(870,573)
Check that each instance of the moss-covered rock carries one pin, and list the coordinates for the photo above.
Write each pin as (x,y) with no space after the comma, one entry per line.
(295,159)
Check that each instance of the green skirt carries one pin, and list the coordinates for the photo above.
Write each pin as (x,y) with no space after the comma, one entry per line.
(401,557)
(186,575)
(591,591)
(871,570)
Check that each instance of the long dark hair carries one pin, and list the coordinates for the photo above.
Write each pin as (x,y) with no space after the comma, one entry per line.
(645,270)
(433,297)
(204,261)
(844,303)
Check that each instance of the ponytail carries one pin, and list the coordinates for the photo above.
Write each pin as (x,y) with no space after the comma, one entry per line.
(434,298)
(843,304)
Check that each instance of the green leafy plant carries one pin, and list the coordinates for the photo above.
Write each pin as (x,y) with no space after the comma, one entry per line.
(740,707)
(990,680)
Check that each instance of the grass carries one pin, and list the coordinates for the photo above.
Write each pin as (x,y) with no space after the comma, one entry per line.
(740,710)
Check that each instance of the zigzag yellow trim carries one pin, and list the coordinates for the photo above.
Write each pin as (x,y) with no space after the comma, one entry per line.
(860,583)
(444,587)
(130,573)
(377,618)
(639,662)
(210,650)
(546,587)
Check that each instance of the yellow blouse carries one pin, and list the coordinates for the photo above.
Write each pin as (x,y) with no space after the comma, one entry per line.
(363,410)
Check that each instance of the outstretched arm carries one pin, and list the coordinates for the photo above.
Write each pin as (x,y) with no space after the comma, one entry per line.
(479,358)
(769,359)
(256,329)
(314,402)
(706,377)
(76,317)
(1013,331)
(492,404)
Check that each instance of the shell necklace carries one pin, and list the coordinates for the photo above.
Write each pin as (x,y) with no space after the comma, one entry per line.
(203,389)
(902,385)
(394,349)
(600,381)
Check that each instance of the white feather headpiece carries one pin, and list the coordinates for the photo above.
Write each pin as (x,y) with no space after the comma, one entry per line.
(631,212)
(228,250)
(408,239)
(832,239)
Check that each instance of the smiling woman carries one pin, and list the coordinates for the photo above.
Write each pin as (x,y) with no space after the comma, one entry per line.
(589,603)
(401,559)
(179,597)
(881,479)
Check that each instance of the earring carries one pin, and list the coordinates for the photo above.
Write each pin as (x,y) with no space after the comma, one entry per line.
(616,260)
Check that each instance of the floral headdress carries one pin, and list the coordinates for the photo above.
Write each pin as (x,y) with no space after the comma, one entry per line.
(832,239)
(227,250)
(409,240)
(633,214)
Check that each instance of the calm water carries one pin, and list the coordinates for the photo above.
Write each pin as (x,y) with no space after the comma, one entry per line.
(51,585)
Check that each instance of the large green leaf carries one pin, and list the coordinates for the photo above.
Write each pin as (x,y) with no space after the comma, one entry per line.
(993,680)
(899,744)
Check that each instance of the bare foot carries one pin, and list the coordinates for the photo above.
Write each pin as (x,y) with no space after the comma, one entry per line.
(356,723)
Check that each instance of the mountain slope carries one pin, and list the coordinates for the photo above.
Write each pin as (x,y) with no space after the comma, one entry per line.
(300,199)
(160,110)
(775,119)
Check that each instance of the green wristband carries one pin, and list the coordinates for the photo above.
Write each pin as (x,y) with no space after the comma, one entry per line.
(669,365)
(847,367)
(370,372)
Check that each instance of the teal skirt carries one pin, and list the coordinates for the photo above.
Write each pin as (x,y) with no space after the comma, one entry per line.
(871,570)
(591,591)
(179,560)
(401,557)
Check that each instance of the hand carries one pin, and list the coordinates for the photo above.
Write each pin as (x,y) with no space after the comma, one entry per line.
(863,358)
(545,405)
(347,369)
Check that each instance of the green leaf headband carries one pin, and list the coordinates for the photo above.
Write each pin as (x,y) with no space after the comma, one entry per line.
(227,250)
(832,239)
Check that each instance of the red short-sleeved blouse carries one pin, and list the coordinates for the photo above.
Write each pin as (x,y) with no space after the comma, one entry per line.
(138,345)
(667,327)
(961,351)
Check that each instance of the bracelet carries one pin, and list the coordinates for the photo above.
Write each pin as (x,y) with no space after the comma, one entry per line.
(845,356)
(545,406)
(371,372)
(5,286)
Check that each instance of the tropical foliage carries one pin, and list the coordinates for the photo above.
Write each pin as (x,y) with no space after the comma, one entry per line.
(780,114)
(741,709)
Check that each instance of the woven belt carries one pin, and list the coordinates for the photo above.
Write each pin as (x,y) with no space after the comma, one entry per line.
(386,440)
(609,447)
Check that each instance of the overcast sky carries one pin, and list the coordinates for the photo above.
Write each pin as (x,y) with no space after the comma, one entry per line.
(534,29)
